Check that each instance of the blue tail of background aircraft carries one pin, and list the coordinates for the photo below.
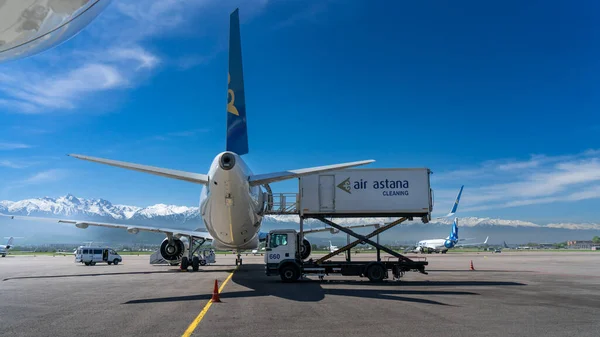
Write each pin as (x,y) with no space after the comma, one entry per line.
(237,132)
(452,239)
(454,231)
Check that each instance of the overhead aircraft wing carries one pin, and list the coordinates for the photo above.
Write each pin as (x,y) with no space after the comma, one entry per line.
(473,244)
(133,229)
(197,178)
(261,179)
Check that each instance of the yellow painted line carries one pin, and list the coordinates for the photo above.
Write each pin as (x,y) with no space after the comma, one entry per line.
(200,316)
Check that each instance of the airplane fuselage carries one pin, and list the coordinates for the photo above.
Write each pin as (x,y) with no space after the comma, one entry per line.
(436,244)
(230,207)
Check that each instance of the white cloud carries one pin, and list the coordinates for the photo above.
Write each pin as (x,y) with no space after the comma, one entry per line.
(40,178)
(16,164)
(13,146)
(540,180)
(45,177)
(179,134)
(111,53)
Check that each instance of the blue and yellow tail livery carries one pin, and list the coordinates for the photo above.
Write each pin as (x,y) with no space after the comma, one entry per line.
(237,132)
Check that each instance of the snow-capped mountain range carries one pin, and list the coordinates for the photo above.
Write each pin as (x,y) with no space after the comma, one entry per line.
(72,207)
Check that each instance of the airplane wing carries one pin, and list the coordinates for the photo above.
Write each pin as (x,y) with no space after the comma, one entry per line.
(261,179)
(173,174)
(133,229)
(473,244)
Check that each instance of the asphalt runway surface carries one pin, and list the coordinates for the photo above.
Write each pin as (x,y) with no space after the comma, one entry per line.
(508,294)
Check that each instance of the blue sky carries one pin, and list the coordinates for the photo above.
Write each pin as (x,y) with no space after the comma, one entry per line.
(500,97)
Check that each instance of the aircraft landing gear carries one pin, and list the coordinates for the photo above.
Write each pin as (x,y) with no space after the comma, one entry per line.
(238,260)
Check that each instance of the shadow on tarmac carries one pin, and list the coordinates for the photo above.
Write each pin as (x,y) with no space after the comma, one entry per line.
(258,284)
(170,271)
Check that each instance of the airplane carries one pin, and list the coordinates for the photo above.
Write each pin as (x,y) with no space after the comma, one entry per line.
(232,200)
(4,248)
(443,245)
(332,248)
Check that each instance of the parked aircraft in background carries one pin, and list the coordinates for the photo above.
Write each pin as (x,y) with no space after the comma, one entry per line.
(4,248)
(332,248)
(442,245)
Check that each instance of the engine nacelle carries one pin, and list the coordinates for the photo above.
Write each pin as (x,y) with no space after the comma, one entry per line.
(133,230)
(172,252)
(305,249)
(448,244)
(81,225)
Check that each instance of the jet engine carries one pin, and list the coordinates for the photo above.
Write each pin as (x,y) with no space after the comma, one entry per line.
(448,244)
(172,252)
(305,249)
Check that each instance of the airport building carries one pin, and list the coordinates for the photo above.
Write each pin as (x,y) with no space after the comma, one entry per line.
(583,245)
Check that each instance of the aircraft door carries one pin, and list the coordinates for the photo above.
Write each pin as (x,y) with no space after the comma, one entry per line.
(326,193)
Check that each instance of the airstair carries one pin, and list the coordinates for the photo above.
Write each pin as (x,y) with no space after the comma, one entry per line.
(282,203)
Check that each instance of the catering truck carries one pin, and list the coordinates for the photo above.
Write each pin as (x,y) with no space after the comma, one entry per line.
(368,193)
(404,192)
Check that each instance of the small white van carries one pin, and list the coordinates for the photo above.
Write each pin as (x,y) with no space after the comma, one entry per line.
(91,255)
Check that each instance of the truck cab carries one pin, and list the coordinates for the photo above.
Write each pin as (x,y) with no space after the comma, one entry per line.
(283,254)
(282,244)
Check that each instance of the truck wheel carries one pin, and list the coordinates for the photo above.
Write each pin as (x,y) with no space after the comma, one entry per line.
(289,273)
(195,263)
(115,262)
(203,262)
(376,273)
(87,263)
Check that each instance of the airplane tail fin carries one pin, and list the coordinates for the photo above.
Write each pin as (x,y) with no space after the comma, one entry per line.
(10,241)
(455,206)
(237,132)
(454,231)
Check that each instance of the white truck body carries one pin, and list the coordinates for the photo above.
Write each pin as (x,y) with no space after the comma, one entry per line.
(367,192)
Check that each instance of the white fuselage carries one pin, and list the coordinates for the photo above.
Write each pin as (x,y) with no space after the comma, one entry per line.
(433,244)
(230,208)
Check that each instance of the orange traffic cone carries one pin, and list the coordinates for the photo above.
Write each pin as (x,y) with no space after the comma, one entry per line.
(472,268)
(215,295)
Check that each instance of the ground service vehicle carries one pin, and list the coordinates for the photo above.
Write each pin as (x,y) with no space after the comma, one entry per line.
(283,258)
(92,255)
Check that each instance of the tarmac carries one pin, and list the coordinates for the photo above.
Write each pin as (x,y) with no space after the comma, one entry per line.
(508,294)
